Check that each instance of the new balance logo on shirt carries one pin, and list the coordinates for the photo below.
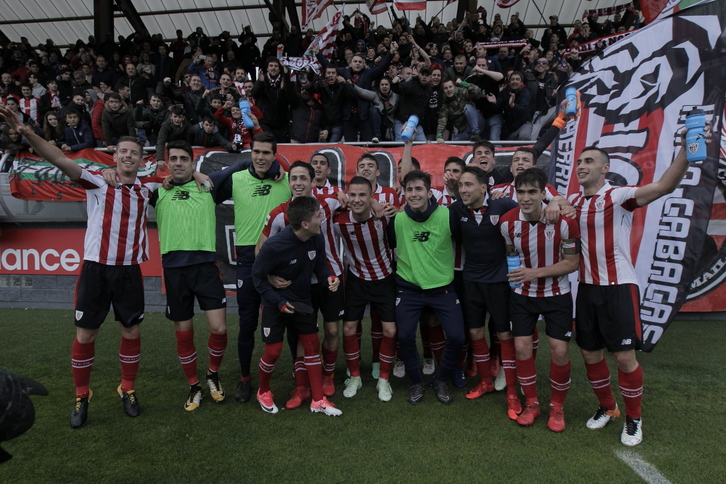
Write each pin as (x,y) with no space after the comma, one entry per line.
(262,191)
(180,195)
(421,236)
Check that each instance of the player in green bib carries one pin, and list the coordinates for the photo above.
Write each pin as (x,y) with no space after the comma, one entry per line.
(186,220)
(424,276)
(255,193)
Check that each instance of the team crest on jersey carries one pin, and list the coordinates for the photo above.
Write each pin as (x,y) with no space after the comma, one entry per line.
(144,192)
(549,234)
(600,205)
(311,254)
(79,315)
(266,332)
(378,225)
(494,219)
(239,283)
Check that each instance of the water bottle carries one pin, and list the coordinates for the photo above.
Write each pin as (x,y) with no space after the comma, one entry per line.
(571,96)
(513,264)
(695,140)
(409,127)
(244,106)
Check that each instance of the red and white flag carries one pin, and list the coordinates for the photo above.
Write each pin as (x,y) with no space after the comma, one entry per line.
(410,4)
(376,6)
(312,9)
(506,3)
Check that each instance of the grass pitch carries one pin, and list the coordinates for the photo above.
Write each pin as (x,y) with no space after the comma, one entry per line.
(467,441)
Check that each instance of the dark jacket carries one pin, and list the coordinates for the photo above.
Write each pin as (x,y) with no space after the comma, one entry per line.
(365,80)
(413,98)
(117,123)
(272,101)
(198,137)
(514,116)
(170,132)
(80,137)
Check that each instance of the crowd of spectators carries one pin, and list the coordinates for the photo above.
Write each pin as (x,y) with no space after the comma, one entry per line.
(90,94)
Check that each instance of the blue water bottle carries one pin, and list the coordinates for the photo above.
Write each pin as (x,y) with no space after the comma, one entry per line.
(409,127)
(695,137)
(571,96)
(513,264)
(244,106)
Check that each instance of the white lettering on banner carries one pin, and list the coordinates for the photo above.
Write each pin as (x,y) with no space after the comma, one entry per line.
(30,260)
(669,251)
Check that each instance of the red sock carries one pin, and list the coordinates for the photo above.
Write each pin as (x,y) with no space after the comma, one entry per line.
(560,382)
(509,365)
(82,356)
(301,374)
(527,376)
(388,349)
(187,355)
(267,364)
(631,387)
(359,332)
(311,345)
(425,339)
(480,351)
(599,376)
(129,354)
(438,342)
(216,345)
(351,349)
(535,342)
(376,335)
(329,359)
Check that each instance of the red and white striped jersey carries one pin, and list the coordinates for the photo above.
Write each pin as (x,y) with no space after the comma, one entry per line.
(327,189)
(116,233)
(511,192)
(386,195)
(540,245)
(443,197)
(29,107)
(367,252)
(277,220)
(605,221)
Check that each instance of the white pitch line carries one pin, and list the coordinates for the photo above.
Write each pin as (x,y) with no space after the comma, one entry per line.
(645,470)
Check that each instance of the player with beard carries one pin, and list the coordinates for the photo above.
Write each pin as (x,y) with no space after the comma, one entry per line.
(607,312)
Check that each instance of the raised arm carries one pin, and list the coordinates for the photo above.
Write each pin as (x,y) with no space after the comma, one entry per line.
(45,149)
(671,177)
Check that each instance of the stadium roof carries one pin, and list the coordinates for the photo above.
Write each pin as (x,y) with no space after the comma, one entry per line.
(65,21)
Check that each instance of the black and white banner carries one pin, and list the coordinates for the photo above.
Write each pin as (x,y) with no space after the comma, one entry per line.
(636,94)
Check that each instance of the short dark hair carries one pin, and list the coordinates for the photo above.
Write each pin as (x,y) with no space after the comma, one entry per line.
(177,109)
(535,177)
(414,175)
(481,176)
(485,144)
(455,159)
(367,155)
(180,145)
(599,150)
(301,209)
(265,137)
(107,97)
(208,119)
(302,164)
(359,180)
